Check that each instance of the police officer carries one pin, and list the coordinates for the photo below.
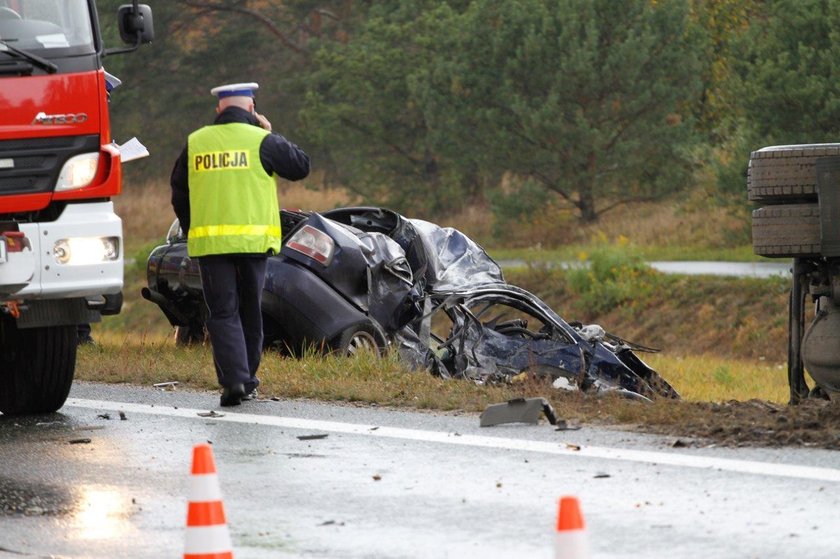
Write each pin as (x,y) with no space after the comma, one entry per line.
(225,196)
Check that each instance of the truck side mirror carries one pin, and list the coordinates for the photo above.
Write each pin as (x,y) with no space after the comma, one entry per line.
(136,24)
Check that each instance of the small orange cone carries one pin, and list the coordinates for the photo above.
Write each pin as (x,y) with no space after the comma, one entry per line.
(570,540)
(207,532)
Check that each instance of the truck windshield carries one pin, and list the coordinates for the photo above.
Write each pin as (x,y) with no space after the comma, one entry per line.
(51,28)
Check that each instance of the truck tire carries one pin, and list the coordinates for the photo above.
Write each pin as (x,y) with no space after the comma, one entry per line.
(36,368)
(362,336)
(786,173)
(784,231)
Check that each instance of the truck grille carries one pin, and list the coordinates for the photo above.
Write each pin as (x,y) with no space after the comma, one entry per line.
(31,166)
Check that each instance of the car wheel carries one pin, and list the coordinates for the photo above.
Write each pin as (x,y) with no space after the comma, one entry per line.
(195,333)
(362,336)
(789,230)
(786,173)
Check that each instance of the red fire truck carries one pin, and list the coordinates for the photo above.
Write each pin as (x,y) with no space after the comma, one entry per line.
(61,246)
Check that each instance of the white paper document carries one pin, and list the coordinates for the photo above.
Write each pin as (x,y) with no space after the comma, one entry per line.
(132,150)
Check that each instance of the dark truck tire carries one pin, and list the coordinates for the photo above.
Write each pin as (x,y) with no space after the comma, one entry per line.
(788,230)
(779,174)
(36,368)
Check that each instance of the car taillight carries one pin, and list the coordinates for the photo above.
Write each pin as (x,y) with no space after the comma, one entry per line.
(313,243)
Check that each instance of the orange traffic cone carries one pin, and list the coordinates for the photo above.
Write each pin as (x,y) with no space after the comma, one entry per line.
(207,532)
(570,540)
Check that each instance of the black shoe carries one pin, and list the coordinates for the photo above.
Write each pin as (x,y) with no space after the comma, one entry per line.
(252,395)
(232,395)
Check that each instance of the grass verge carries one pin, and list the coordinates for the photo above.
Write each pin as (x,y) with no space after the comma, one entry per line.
(367,379)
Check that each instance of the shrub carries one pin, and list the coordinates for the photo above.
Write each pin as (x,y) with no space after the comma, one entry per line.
(610,276)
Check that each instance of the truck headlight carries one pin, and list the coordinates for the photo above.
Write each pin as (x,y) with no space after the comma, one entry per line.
(86,250)
(79,171)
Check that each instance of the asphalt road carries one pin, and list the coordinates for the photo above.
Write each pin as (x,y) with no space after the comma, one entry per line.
(392,484)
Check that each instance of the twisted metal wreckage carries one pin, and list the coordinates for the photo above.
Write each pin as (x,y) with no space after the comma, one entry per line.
(364,277)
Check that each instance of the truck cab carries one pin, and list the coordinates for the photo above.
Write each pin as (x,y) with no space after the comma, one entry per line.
(61,245)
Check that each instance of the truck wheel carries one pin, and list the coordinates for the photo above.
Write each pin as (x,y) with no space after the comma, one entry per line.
(36,368)
(786,173)
(362,336)
(790,230)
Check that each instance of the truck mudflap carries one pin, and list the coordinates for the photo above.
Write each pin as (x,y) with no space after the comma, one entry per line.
(17,262)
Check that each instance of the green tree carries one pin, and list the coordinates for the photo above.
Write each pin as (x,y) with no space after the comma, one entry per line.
(200,44)
(725,24)
(792,93)
(591,98)
(362,112)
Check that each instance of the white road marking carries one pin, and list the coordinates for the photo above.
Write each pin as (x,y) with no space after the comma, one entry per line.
(604,453)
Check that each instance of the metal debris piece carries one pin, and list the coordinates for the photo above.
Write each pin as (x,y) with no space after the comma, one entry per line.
(518,410)
(103,416)
(170,385)
(210,413)
(122,416)
(563,425)
(377,477)
(80,441)
(312,437)
(573,446)
(601,475)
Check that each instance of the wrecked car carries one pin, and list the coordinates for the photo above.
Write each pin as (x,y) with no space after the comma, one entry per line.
(369,278)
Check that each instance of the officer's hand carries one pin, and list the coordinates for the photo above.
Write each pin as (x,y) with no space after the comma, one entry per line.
(263,122)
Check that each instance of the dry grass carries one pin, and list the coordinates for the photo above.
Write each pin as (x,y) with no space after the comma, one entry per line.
(155,358)
(147,214)
(149,359)
(708,378)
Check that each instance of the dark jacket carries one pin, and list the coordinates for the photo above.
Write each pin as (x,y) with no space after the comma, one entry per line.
(277,155)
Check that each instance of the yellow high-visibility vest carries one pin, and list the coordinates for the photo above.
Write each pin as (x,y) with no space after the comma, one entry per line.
(233,201)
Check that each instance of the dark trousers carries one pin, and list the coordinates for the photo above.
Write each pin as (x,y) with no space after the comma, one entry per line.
(233,292)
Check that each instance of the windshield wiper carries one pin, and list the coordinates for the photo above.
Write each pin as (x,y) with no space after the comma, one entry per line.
(41,63)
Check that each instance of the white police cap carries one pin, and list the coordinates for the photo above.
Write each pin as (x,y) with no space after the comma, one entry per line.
(235,89)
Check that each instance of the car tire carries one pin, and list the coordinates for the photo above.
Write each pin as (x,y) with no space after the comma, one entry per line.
(362,336)
(779,174)
(36,368)
(788,230)
(194,334)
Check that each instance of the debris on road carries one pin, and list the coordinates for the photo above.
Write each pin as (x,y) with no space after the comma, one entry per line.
(210,413)
(563,425)
(312,437)
(518,410)
(79,441)
(169,385)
